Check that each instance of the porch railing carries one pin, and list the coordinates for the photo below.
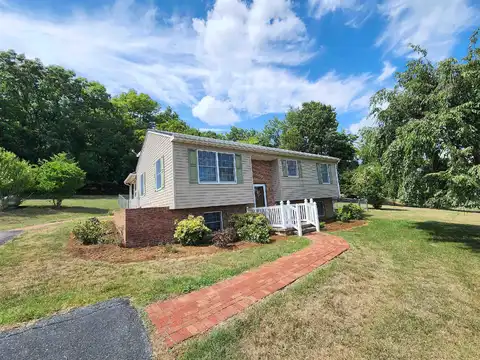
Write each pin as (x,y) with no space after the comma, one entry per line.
(125,203)
(287,215)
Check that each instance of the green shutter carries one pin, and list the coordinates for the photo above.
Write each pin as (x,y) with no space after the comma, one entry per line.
(284,168)
(299,166)
(319,173)
(239,168)
(192,166)
(331,171)
(162,171)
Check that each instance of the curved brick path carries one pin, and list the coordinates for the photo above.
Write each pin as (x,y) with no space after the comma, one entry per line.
(185,316)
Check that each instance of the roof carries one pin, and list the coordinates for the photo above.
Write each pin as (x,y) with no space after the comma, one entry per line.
(199,140)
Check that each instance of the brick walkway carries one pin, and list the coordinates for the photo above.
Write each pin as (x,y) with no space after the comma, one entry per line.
(185,316)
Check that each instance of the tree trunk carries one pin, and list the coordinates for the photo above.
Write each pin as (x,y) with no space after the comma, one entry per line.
(57,203)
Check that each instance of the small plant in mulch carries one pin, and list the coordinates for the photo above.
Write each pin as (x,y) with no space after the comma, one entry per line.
(223,239)
(322,224)
(169,248)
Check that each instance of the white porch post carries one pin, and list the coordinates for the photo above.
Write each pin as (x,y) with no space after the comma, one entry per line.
(129,195)
(315,213)
(282,214)
(299,221)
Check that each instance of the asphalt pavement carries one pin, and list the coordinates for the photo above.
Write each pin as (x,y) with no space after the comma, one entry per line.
(8,235)
(107,330)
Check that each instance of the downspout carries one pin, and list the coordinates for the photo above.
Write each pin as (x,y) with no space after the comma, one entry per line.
(338,182)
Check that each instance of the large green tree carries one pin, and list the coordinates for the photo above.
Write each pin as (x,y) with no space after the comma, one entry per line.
(428,133)
(313,128)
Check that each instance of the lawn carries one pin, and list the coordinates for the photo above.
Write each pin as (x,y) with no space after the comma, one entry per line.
(407,289)
(38,276)
(34,212)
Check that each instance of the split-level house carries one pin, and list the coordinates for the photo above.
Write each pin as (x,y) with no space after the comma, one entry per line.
(178,175)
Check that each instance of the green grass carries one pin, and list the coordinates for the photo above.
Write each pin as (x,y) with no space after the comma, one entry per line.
(35,212)
(407,289)
(38,277)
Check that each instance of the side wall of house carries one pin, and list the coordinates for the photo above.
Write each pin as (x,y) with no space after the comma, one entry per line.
(156,225)
(155,147)
(189,195)
(307,186)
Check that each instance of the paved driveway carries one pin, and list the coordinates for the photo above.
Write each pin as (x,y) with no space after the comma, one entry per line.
(8,235)
(107,330)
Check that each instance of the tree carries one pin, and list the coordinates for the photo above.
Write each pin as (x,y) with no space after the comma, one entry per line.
(369,183)
(428,133)
(312,128)
(59,178)
(16,178)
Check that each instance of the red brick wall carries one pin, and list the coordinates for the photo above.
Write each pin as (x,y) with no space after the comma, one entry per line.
(155,226)
(262,174)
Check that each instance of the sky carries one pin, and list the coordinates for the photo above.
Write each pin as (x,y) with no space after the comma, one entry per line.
(220,63)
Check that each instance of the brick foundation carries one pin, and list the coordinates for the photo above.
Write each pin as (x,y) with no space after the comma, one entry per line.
(262,174)
(156,225)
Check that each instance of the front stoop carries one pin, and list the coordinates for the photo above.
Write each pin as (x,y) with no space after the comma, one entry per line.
(194,313)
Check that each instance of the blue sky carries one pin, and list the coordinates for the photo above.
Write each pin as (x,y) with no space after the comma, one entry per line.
(226,62)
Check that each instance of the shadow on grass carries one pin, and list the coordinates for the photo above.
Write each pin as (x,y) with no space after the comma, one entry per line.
(32,211)
(468,235)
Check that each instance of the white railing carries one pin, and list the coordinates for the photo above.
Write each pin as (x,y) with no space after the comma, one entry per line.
(125,203)
(287,216)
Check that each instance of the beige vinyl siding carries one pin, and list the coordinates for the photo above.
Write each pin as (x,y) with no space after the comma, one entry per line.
(189,195)
(306,187)
(155,147)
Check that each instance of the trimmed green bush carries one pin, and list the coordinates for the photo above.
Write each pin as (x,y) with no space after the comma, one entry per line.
(251,227)
(89,232)
(191,231)
(349,212)
(322,224)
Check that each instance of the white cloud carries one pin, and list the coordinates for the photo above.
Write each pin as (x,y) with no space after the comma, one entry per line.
(320,8)
(432,24)
(240,59)
(215,112)
(367,121)
(388,70)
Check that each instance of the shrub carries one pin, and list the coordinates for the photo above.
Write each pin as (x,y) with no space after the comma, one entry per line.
(59,178)
(321,224)
(251,227)
(369,182)
(191,231)
(89,232)
(349,212)
(221,239)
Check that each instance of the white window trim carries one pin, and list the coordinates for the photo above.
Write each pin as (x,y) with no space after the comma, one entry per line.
(264,194)
(296,166)
(214,212)
(144,184)
(218,169)
(328,173)
(156,175)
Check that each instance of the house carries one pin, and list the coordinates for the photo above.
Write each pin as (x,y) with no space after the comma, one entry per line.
(180,174)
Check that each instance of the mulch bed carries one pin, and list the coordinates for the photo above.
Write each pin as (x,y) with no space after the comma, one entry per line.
(339,226)
(117,254)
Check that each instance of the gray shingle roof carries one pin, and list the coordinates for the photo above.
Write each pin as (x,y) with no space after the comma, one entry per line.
(199,140)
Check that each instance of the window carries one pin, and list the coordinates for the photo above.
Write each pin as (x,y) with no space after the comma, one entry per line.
(142,184)
(292,168)
(325,173)
(213,220)
(216,167)
(158,174)
(226,167)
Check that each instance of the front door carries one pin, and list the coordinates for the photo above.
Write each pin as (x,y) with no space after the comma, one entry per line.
(260,193)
